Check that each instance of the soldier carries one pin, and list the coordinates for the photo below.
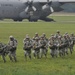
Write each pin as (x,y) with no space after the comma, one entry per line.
(46,39)
(61,46)
(66,44)
(44,36)
(57,34)
(43,44)
(71,43)
(27,46)
(36,35)
(36,47)
(72,36)
(52,46)
(2,51)
(12,43)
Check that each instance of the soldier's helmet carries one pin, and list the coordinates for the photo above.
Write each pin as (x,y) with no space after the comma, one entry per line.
(51,36)
(42,37)
(33,38)
(27,37)
(11,37)
(72,34)
(64,36)
(36,33)
(66,33)
(58,31)
(44,34)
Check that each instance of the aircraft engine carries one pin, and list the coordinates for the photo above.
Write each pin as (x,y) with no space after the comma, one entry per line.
(30,7)
(29,11)
(48,7)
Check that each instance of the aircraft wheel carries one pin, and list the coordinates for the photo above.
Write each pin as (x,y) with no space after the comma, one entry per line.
(20,20)
(32,20)
(15,20)
(35,20)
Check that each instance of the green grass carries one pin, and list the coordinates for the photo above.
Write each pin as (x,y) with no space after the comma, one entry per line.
(49,66)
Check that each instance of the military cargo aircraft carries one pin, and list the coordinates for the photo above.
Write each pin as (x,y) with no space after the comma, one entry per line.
(33,10)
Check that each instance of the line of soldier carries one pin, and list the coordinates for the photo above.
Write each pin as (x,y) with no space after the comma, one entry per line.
(39,46)
(57,44)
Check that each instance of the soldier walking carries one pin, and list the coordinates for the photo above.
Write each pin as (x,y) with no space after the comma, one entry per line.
(27,46)
(36,47)
(12,43)
(43,49)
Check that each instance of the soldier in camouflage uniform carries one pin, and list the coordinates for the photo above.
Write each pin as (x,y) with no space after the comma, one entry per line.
(72,36)
(66,44)
(57,35)
(46,39)
(36,35)
(61,46)
(12,43)
(52,46)
(70,41)
(27,46)
(2,51)
(36,47)
(43,48)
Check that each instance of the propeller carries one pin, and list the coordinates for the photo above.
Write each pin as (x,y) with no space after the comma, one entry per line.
(48,5)
(30,6)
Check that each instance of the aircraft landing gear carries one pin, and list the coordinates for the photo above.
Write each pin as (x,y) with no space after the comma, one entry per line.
(47,19)
(30,20)
(18,20)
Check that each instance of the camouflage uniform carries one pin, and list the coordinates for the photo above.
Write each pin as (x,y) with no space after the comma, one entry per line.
(2,51)
(73,38)
(27,46)
(66,44)
(46,39)
(57,35)
(52,46)
(43,47)
(36,47)
(36,36)
(13,46)
(61,46)
(71,43)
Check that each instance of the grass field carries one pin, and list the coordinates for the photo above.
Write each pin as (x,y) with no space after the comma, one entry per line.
(49,66)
